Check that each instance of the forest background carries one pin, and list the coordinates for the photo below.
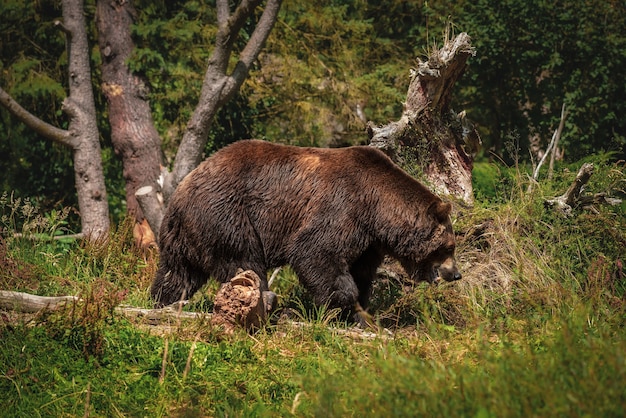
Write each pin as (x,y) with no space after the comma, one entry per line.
(536,326)
(326,69)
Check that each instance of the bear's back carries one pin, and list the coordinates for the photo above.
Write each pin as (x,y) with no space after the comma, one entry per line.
(251,156)
(266,173)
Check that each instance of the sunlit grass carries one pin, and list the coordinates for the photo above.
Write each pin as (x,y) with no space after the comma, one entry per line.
(536,328)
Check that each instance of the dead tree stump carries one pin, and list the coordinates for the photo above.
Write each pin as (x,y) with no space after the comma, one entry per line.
(573,197)
(430,135)
(241,303)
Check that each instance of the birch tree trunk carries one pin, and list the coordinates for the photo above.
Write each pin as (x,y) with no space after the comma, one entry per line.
(82,135)
(429,134)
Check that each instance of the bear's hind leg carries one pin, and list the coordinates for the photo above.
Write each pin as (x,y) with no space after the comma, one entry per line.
(363,271)
(332,287)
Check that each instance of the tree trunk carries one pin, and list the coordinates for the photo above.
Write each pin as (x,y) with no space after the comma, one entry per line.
(429,134)
(82,135)
(81,107)
(133,134)
(218,87)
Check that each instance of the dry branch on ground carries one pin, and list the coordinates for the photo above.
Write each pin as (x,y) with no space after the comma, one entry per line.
(573,197)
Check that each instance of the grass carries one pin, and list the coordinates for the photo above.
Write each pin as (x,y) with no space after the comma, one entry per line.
(536,328)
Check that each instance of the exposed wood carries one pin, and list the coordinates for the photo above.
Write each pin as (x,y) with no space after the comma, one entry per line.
(556,141)
(429,134)
(153,213)
(168,319)
(573,197)
(550,150)
(25,302)
(240,303)
(164,315)
(46,237)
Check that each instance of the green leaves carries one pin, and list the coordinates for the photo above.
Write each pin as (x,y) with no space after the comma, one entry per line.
(533,56)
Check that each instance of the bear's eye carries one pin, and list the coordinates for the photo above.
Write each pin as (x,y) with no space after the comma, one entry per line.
(449,248)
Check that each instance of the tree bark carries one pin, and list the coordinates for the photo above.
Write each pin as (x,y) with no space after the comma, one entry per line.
(81,108)
(133,134)
(219,86)
(82,135)
(429,134)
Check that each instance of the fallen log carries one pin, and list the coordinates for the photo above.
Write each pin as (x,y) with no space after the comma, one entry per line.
(238,304)
(27,303)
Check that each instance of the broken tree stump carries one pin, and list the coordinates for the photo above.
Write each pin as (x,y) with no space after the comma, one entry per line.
(241,303)
(573,197)
(429,134)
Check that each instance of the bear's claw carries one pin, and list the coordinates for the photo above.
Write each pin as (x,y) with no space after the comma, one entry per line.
(363,318)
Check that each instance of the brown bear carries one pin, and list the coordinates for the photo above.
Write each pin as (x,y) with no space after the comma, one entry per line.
(332,214)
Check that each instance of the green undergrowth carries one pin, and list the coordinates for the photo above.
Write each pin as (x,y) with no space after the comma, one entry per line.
(535,328)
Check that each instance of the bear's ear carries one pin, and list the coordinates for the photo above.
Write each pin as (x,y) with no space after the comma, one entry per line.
(440,210)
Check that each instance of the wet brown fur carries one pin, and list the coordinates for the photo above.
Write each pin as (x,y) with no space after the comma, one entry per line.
(332,214)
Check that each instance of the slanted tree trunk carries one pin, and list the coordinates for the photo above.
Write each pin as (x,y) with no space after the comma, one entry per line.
(133,134)
(219,85)
(429,134)
(82,134)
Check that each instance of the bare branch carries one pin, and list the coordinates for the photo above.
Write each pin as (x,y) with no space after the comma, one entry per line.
(556,142)
(256,41)
(550,150)
(227,34)
(545,155)
(40,127)
(241,14)
(566,202)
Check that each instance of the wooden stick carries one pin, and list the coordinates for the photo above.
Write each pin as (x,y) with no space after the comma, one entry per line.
(556,142)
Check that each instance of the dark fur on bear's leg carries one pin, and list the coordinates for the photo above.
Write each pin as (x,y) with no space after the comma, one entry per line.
(363,271)
(363,318)
(173,284)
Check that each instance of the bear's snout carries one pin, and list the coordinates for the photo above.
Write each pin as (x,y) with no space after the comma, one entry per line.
(448,271)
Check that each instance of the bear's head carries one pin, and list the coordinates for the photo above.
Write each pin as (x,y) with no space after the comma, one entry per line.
(432,257)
